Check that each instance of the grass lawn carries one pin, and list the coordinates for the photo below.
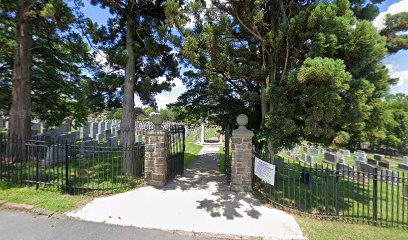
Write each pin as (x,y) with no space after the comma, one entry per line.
(192,150)
(328,230)
(221,162)
(48,198)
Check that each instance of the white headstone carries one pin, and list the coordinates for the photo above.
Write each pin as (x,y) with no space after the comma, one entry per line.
(346,153)
(405,160)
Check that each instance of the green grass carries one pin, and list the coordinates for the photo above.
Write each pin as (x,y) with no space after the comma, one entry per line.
(191,152)
(102,172)
(221,162)
(50,199)
(351,197)
(212,132)
(337,230)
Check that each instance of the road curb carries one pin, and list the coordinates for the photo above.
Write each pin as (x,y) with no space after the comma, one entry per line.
(28,208)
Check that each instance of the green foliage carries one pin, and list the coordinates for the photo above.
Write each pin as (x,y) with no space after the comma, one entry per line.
(396,27)
(312,104)
(304,72)
(59,57)
(156,65)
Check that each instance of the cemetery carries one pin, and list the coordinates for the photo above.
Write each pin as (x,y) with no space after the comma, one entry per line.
(354,186)
(86,161)
(238,118)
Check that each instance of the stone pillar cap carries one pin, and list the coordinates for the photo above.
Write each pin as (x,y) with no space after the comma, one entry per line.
(157,120)
(242,121)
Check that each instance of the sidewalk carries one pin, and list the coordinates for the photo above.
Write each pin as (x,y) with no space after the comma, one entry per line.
(198,202)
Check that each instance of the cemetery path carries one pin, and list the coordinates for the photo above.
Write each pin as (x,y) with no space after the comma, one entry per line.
(198,202)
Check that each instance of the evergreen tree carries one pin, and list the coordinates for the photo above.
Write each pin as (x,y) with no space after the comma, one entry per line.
(137,55)
(41,65)
(314,66)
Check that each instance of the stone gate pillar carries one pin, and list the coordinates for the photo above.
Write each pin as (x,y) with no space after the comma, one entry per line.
(241,164)
(156,151)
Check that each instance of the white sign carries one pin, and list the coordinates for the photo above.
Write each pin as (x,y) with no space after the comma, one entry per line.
(265,171)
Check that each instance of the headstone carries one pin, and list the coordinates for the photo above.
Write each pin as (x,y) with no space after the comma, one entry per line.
(329,158)
(303,157)
(372,161)
(112,141)
(405,160)
(93,130)
(84,132)
(389,176)
(66,126)
(384,164)
(405,191)
(99,137)
(368,168)
(346,153)
(314,151)
(339,155)
(107,133)
(345,170)
(310,159)
(341,160)
(88,148)
(55,154)
(378,157)
(101,127)
(404,164)
(361,154)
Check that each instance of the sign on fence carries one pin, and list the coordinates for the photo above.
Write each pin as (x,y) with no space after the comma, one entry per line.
(265,171)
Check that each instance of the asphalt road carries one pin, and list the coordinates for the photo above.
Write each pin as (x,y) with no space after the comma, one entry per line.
(23,226)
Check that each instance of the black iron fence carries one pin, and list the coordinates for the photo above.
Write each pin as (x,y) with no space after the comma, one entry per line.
(336,191)
(227,156)
(176,146)
(75,168)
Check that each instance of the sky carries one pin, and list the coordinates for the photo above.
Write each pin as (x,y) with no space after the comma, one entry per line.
(396,63)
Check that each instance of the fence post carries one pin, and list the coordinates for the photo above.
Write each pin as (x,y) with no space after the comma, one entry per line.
(156,153)
(67,186)
(241,164)
(375,197)
(37,166)
(337,192)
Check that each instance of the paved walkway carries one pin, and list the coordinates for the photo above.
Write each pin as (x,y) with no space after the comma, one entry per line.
(198,202)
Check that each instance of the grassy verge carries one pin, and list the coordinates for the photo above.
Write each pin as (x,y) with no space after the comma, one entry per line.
(337,230)
(191,152)
(48,199)
(221,162)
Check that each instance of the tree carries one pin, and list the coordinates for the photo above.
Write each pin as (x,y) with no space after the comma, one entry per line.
(43,78)
(269,49)
(132,43)
(396,27)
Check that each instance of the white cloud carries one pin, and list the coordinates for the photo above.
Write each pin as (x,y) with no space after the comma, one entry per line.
(403,77)
(165,98)
(402,85)
(397,7)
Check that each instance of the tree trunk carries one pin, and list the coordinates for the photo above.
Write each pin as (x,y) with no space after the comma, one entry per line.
(20,111)
(128,121)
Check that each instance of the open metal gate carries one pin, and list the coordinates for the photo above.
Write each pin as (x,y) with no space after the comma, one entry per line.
(176,143)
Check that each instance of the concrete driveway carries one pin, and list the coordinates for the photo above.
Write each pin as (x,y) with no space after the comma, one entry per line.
(198,202)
